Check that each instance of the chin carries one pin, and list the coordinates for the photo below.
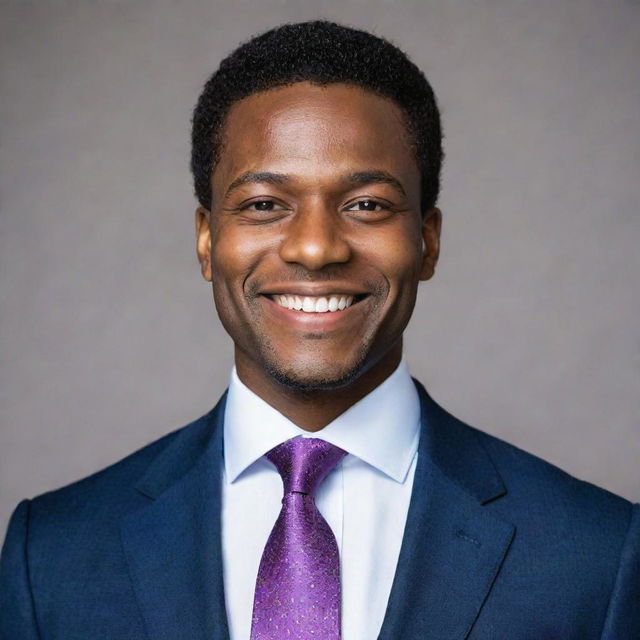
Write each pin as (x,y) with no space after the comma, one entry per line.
(317,376)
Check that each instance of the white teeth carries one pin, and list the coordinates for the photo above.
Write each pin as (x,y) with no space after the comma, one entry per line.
(314,304)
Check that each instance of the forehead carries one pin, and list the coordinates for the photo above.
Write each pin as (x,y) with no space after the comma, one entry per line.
(305,127)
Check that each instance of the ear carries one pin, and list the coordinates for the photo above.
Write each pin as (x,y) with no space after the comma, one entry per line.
(203,241)
(431,227)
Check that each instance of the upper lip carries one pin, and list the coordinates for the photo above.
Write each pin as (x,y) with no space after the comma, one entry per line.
(319,289)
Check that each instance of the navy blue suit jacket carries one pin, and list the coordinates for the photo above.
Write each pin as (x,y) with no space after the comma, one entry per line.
(498,545)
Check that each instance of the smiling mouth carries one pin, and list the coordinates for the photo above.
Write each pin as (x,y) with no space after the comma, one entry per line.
(317,304)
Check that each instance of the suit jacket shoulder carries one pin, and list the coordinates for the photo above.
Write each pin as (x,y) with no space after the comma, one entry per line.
(574,549)
(63,570)
(108,492)
(534,482)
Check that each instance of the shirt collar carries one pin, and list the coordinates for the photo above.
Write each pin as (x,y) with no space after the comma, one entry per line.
(382,429)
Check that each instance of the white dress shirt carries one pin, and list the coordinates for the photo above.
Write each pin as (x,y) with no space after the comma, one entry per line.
(365,499)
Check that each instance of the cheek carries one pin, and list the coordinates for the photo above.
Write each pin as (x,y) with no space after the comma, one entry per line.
(227,265)
(233,252)
(238,254)
(398,258)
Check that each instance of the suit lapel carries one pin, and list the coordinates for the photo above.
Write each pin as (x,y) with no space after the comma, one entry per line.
(452,549)
(173,545)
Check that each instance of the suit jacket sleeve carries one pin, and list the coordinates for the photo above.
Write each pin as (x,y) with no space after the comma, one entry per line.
(623,616)
(17,616)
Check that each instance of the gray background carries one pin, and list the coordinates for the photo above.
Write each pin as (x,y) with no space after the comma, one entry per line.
(529,329)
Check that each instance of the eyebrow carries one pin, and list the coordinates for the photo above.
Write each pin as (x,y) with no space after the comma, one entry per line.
(380,177)
(356,178)
(262,177)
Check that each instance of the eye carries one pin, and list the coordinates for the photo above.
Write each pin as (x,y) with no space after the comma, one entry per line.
(263,205)
(365,205)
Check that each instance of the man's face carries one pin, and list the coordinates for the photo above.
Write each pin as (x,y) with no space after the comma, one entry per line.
(316,204)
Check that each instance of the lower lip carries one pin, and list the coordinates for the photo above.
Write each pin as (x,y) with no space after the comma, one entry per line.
(314,321)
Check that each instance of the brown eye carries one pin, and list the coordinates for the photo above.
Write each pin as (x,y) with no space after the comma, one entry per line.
(263,205)
(365,205)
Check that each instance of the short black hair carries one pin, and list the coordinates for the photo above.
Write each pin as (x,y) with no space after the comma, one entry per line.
(322,53)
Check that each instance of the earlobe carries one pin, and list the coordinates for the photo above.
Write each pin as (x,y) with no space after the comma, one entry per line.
(431,227)
(203,242)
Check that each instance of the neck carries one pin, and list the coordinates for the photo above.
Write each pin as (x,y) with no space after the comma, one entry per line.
(314,409)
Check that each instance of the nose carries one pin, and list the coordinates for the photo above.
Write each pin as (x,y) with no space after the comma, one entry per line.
(314,238)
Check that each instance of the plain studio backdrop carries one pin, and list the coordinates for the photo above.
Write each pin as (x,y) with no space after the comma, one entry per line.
(529,329)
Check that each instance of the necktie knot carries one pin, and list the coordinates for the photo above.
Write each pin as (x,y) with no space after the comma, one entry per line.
(303,463)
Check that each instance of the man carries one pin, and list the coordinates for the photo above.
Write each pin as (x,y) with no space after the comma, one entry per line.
(316,159)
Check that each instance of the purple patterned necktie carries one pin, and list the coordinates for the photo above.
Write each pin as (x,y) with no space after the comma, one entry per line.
(298,587)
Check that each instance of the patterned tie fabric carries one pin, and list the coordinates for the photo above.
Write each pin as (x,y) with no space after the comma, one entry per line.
(297,593)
